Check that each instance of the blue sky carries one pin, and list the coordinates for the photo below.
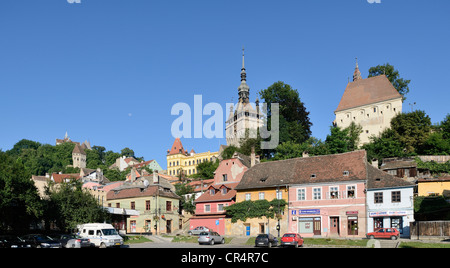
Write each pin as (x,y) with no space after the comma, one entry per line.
(109,71)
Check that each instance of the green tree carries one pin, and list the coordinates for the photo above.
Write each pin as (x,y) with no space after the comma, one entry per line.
(394,77)
(411,129)
(205,170)
(69,205)
(127,152)
(294,121)
(384,146)
(255,209)
(184,190)
(20,204)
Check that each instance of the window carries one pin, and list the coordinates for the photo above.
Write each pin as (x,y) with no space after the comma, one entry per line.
(313,176)
(219,207)
(396,197)
(133,205)
(261,195)
(224,177)
(168,205)
(317,193)
(351,191)
(117,205)
(224,190)
(301,194)
(147,204)
(207,208)
(346,173)
(378,196)
(248,197)
(334,192)
(279,194)
(212,192)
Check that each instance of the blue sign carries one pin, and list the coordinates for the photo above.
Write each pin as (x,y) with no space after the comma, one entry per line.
(217,222)
(294,212)
(308,211)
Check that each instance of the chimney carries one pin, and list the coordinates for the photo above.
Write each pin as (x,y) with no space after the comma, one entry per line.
(155,178)
(375,163)
(252,157)
(133,174)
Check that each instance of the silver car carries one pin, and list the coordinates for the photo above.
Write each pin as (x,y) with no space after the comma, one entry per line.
(198,230)
(210,238)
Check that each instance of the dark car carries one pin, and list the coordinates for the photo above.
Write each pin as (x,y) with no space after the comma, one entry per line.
(40,241)
(266,240)
(71,240)
(11,241)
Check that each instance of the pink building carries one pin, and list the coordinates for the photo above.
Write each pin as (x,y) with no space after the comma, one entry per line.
(327,195)
(210,206)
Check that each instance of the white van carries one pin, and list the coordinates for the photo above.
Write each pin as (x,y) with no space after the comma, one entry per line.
(101,234)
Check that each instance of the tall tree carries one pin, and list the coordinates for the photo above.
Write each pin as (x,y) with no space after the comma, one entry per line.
(295,124)
(411,129)
(20,204)
(394,77)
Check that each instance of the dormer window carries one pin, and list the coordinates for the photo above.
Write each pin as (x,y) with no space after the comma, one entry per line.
(224,190)
(346,173)
(263,179)
(313,176)
(212,192)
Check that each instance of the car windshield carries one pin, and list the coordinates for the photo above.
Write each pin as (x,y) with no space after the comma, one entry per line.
(204,233)
(262,236)
(109,231)
(289,235)
(43,238)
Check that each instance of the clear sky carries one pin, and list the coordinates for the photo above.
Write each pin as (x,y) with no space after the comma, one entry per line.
(109,71)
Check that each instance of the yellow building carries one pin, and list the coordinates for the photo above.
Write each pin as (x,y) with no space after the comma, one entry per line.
(179,160)
(433,186)
(258,184)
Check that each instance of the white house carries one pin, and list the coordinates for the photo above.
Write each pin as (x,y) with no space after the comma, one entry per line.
(390,202)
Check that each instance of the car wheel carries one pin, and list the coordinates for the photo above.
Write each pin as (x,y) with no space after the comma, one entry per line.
(223,241)
(393,237)
(102,245)
(189,233)
(270,244)
(371,237)
(211,242)
(296,245)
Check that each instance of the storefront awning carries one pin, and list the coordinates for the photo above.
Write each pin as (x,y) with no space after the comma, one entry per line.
(122,211)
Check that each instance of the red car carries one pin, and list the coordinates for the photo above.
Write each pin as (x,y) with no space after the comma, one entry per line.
(391,233)
(291,239)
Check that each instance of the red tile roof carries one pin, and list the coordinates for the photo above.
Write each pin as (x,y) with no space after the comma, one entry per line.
(367,91)
(177,148)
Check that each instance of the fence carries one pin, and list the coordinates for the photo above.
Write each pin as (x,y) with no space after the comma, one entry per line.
(429,229)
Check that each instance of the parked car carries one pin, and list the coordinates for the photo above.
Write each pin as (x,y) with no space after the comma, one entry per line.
(198,230)
(391,233)
(11,241)
(101,234)
(72,241)
(40,241)
(291,239)
(210,238)
(266,240)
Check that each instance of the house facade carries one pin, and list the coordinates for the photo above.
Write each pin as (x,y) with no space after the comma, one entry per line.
(390,202)
(210,206)
(327,196)
(154,200)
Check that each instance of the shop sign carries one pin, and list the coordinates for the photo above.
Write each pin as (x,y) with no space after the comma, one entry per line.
(351,212)
(387,213)
(308,211)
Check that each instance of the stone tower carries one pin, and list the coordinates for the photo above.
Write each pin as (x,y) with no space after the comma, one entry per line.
(245,117)
(78,157)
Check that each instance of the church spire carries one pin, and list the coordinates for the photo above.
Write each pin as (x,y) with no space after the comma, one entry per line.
(243,89)
(357,73)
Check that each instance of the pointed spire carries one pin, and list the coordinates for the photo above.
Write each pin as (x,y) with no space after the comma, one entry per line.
(243,89)
(357,73)
(243,73)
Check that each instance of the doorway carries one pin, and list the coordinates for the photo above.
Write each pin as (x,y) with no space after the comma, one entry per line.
(334,225)
(352,225)
(169,226)
(317,226)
